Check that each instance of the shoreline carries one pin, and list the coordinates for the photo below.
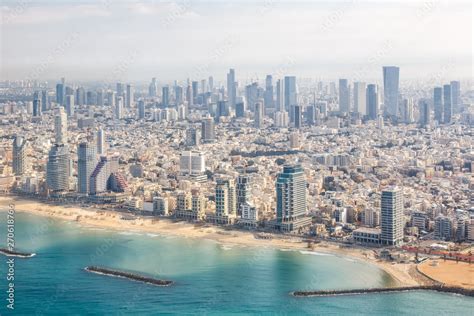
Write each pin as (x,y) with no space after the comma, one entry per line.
(402,274)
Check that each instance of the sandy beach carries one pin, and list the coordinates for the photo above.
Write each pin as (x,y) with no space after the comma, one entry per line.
(449,272)
(403,274)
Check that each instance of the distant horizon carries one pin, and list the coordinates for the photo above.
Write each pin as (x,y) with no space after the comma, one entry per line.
(133,40)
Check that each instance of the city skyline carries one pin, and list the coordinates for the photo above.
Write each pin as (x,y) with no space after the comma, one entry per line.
(189,39)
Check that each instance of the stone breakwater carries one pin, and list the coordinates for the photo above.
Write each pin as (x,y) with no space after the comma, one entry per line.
(128,275)
(13,253)
(437,288)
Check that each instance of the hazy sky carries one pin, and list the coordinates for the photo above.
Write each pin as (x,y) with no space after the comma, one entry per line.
(135,40)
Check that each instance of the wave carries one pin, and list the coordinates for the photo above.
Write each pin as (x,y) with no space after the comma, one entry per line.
(314,253)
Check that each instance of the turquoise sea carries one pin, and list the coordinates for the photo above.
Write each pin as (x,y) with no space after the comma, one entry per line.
(210,279)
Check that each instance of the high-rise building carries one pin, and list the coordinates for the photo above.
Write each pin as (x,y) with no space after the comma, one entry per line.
(60,126)
(391,214)
(192,163)
(390,87)
(290,93)
(194,85)
(99,178)
(243,192)
(189,95)
(152,88)
(208,133)
(193,136)
(111,98)
(58,168)
(100,97)
(344,96)
(291,197)
(231,88)
(19,155)
(165,96)
(443,228)
(120,89)
(211,83)
(360,98)
(298,116)
(70,105)
(251,95)
(119,108)
(179,95)
(60,92)
(44,100)
(130,96)
(269,102)
(222,109)
(425,113)
(372,102)
(438,104)
(86,163)
(226,200)
(456,96)
(141,110)
(280,95)
(101,142)
(259,114)
(407,111)
(36,107)
(448,105)
(240,109)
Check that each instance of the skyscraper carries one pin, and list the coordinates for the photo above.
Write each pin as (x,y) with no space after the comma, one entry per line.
(297,116)
(57,168)
(44,100)
(243,192)
(70,105)
(456,96)
(391,214)
(259,114)
(372,101)
(438,104)
(407,111)
(195,91)
(226,200)
(130,96)
(86,163)
(19,155)
(425,113)
(60,126)
(269,103)
(101,142)
(448,105)
(280,95)
(390,86)
(60,92)
(36,107)
(119,108)
(344,96)
(291,197)
(152,88)
(290,92)
(141,110)
(231,88)
(165,96)
(360,98)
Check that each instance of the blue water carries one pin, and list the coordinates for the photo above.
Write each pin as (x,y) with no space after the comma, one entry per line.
(211,279)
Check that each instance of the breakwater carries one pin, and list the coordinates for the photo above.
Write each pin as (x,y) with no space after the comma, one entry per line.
(128,275)
(437,288)
(13,253)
